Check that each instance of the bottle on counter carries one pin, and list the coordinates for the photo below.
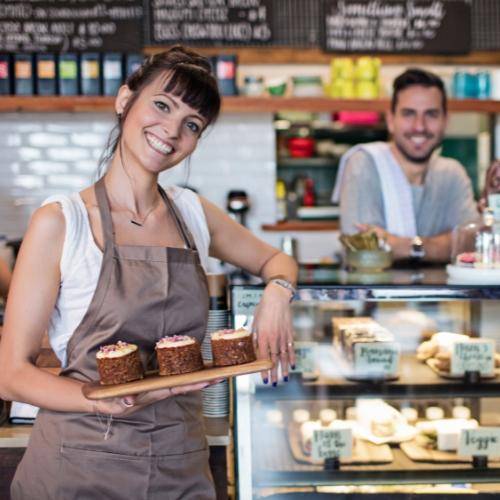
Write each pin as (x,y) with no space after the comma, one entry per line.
(309,199)
(490,197)
(281,204)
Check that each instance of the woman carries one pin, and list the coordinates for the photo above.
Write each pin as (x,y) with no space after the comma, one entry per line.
(118,261)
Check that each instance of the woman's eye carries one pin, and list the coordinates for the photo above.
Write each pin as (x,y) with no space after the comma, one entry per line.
(163,106)
(194,127)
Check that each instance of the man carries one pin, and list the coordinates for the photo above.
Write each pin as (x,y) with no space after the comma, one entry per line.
(410,196)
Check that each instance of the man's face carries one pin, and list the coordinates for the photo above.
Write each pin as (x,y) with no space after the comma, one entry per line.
(418,122)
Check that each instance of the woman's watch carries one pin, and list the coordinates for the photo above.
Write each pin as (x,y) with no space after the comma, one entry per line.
(417,251)
(285,284)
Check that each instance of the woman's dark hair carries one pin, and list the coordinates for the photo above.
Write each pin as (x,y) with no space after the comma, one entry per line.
(417,76)
(190,78)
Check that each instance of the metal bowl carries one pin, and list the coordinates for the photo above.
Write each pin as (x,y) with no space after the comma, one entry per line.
(369,260)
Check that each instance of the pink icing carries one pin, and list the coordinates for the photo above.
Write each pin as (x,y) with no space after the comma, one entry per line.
(113,347)
(175,338)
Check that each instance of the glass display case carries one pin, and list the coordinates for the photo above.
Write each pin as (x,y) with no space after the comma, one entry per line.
(395,392)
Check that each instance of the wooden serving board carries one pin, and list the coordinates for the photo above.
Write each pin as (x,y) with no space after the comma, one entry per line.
(418,453)
(432,364)
(95,390)
(363,452)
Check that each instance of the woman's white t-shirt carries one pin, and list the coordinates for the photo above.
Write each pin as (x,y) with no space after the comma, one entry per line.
(81,260)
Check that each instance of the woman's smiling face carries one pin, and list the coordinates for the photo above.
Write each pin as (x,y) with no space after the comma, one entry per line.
(159,130)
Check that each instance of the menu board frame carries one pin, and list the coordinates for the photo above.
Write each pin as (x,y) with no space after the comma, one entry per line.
(397,26)
(209,22)
(71,25)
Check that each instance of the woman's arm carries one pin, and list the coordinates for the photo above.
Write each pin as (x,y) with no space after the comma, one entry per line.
(32,297)
(235,244)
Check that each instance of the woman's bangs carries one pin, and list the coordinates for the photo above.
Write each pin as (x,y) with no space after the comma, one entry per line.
(192,87)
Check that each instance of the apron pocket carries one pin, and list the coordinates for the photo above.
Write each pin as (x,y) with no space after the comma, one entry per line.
(87,475)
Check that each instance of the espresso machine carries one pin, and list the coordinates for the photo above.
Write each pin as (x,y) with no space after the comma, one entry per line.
(237,206)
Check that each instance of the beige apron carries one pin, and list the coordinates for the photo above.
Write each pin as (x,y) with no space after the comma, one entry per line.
(160,451)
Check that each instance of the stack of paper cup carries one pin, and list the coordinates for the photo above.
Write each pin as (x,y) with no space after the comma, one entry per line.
(495,84)
(215,397)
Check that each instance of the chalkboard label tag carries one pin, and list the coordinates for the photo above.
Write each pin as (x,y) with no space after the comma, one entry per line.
(475,355)
(329,443)
(304,357)
(246,300)
(376,359)
(483,441)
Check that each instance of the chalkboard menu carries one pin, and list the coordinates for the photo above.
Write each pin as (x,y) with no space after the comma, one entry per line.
(71,25)
(214,22)
(393,26)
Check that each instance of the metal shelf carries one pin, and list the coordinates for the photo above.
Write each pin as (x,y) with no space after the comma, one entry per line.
(416,380)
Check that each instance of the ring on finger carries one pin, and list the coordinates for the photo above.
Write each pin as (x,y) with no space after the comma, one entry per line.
(126,403)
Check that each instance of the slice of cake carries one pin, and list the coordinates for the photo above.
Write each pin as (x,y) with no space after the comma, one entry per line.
(178,354)
(119,363)
(232,347)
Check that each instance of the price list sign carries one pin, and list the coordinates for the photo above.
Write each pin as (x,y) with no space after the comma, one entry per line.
(483,441)
(397,26)
(476,355)
(71,25)
(215,22)
(376,359)
(331,443)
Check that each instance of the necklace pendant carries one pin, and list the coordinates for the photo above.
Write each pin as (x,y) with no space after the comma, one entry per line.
(135,222)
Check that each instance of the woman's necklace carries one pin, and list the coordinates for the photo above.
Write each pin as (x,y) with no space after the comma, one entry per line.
(134,220)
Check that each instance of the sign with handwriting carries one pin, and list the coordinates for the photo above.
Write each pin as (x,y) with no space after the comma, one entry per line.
(394,26)
(481,441)
(209,21)
(245,300)
(330,443)
(475,355)
(71,25)
(304,357)
(378,359)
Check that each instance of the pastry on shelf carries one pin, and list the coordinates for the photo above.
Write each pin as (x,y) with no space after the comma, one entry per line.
(339,324)
(442,434)
(440,347)
(381,423)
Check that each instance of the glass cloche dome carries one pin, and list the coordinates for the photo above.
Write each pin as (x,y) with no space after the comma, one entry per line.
(477,244)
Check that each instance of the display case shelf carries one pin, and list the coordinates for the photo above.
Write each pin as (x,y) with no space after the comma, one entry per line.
(415,378)
(233,104)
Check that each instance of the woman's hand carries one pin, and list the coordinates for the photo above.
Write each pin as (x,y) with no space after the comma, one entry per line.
(273,326)
(129,404)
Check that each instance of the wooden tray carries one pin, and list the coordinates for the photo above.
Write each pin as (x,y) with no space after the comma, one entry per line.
(94,390)
(363,452)
(418,453)
(431,362)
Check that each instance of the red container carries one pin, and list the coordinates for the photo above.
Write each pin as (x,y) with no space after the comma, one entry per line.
(301,147)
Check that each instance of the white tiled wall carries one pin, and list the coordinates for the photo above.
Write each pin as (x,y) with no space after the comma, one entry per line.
(47,153)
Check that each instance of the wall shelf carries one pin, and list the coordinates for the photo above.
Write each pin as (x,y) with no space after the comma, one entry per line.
(232,104)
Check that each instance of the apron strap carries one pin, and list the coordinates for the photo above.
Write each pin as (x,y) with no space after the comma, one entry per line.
(105,211)
(179,220)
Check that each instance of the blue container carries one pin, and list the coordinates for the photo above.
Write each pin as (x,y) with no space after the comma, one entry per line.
(483,85)
(460,85)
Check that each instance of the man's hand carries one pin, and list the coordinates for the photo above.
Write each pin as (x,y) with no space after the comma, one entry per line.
(400,246)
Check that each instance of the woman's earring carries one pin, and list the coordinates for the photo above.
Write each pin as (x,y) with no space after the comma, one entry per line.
(119,116)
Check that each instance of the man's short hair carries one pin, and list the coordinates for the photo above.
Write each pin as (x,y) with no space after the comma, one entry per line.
(416,76)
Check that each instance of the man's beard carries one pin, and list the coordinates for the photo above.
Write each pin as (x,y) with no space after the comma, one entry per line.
(419,159)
